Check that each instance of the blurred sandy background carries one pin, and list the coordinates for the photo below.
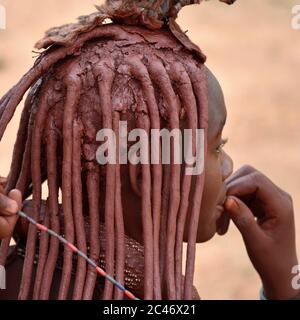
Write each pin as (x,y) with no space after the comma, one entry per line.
(254,53)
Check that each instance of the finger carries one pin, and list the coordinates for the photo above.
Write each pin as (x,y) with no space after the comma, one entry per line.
(244,220)
(7,225)
(16,195)
(244,170)
(254,183)
(8,206)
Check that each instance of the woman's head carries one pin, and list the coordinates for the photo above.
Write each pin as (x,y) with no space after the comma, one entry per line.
(218,167)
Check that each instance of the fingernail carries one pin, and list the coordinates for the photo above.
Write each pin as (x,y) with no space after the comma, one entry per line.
(231,203)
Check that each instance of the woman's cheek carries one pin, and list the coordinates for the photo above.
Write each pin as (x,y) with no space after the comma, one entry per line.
(211,193)
(206,228)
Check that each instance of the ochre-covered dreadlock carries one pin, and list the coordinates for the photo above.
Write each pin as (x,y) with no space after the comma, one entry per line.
(90,76)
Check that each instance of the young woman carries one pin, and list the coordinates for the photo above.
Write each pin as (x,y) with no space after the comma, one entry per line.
(130,219)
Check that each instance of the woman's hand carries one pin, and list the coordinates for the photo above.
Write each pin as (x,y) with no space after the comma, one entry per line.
(9,206)
(264,215)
